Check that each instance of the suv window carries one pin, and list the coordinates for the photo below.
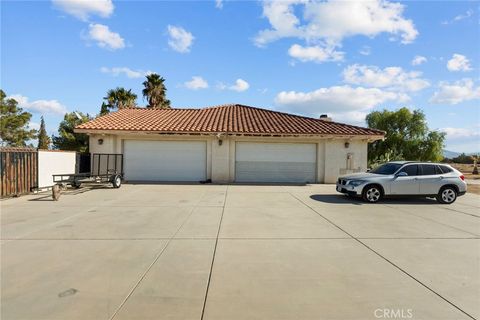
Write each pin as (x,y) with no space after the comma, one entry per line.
(387,168)
(445,169)
(428,169)
(411,170)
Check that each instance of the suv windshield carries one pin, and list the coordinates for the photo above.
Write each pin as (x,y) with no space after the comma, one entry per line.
(387,168)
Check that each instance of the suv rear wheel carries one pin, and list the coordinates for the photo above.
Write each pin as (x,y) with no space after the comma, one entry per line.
(372,193)
(447,195)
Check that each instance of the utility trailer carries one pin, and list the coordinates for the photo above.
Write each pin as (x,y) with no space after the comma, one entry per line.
(105,168)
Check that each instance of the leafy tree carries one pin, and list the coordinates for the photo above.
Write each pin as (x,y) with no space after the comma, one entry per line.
(69,140)
(104,109)
(120,98)
(155,92)
(386,157)
(43,138)
(14,131)
(407,135)
(463,158)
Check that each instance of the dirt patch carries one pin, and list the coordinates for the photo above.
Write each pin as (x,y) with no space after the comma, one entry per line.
(467,169)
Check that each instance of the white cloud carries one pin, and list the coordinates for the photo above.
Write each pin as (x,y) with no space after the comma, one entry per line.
(466,139)
(455,93)
(180,39)
(326,23)
(196,83)
(460,133)
(221,86)
(418,60)
(219,4)
(105,38)
(365,51)
(34,125)
(391,77)
(314,53)
(345,103)
(240,85)
(82,9)
(116,71)
(459,17)
(39,106)
(458,63)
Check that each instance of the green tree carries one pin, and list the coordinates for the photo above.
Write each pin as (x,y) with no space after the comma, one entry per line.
(155,92)
(120,98)
(463,158)
(14,130)
(104,109)
(69,140)
(43,138)
(407,136)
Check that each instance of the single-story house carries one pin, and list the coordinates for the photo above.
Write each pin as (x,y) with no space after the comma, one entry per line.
(229,143)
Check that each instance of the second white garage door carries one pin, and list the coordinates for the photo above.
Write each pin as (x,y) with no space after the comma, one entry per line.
(165,160)
(275,162)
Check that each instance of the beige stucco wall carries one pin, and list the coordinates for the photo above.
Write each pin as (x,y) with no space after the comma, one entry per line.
(331,152)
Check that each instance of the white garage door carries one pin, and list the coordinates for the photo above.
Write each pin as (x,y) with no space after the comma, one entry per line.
(275,162)
(165,160)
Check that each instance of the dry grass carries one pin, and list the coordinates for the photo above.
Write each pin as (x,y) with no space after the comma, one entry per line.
(467,169)
(473,188)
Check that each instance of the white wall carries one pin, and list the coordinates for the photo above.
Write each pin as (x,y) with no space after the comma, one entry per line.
(109,144)
(220,160)
(54,162)
(331,152)
(336,158)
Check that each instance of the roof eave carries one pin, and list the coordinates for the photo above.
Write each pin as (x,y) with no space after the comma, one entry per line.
(369,137)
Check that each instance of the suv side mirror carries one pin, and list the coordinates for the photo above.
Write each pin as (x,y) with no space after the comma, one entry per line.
(402,174)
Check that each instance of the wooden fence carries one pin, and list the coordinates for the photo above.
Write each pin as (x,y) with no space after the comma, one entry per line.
(18,171)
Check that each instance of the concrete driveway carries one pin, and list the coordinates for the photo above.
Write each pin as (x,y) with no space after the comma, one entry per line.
(237,252)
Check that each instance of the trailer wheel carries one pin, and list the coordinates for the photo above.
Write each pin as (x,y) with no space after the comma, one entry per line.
(76,185)
(117,181)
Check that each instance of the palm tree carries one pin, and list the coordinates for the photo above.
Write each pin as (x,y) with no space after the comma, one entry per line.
(120,98)
(155,92)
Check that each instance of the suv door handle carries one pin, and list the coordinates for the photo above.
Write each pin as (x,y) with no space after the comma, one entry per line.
(415,179)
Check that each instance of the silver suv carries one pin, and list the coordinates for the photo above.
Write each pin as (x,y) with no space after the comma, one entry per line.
(403,178)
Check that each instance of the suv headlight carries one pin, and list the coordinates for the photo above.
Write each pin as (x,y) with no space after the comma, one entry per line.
(356,183)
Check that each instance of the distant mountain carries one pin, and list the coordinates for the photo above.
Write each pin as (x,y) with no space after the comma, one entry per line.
(450,154)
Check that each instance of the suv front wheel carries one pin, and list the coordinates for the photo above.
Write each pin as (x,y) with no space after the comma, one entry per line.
(447,195)
(372,193)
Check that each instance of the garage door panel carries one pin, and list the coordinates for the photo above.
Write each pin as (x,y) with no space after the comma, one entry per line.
(250,171)
(275,162)
(165,160)
(289,152)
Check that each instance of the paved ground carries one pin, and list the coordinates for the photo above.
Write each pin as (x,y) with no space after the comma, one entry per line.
(237,252)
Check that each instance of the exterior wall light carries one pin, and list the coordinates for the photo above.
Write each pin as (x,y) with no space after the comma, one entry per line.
(347,145)
(100,141)
(220,142)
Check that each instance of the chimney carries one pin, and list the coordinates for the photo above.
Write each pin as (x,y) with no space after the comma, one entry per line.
(325,117)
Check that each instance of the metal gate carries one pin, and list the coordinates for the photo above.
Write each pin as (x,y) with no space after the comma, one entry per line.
(18,171)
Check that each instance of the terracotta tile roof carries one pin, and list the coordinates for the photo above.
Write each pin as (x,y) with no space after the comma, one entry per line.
(229,119)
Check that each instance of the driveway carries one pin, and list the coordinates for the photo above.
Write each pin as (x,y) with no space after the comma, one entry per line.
(237,252)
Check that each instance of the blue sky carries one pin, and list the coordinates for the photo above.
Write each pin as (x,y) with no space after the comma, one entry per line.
(305,57)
